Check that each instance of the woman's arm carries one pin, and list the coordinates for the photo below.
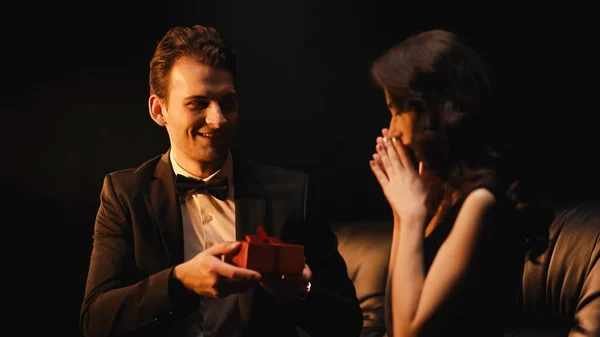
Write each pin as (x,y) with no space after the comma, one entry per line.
(416,297)
(395,240)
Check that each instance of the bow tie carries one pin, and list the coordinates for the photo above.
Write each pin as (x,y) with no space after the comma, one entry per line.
(217,187)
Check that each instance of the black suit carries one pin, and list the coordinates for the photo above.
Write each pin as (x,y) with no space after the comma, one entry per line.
(138,240)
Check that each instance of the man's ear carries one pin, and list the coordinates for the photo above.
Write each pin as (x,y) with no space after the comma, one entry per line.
(157,113)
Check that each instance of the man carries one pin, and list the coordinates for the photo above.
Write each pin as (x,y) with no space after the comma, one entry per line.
(157,266)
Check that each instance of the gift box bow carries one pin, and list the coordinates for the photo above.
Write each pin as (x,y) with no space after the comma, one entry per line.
(262,237)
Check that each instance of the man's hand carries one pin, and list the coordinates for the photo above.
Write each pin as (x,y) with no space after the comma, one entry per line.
(208,275)
(287,288)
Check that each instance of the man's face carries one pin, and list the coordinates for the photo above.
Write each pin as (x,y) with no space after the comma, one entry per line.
(201,111)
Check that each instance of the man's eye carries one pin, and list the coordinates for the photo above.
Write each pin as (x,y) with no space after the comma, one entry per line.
(197,105)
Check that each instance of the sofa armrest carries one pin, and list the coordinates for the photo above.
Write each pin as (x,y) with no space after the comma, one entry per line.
(561,283)
(587,312)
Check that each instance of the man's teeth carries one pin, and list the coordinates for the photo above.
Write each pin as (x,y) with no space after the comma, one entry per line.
(207,135)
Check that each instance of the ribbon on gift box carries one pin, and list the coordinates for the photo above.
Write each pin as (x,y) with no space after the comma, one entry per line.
(262,237)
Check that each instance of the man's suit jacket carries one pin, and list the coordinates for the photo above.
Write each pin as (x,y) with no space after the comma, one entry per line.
(138,240)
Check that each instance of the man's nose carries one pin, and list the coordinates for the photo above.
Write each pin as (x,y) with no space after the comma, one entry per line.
(214,115)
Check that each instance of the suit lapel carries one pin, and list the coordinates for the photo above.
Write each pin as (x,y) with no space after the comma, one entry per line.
(250,211)
(163,202)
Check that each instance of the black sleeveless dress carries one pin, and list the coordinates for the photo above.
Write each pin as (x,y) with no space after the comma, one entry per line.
(488,300)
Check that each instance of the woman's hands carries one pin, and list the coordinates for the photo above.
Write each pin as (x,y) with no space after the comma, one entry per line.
(400,180)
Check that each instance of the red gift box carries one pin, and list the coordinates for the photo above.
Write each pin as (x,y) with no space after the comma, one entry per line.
(266,254)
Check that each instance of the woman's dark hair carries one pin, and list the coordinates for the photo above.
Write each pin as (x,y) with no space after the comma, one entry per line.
(449,87)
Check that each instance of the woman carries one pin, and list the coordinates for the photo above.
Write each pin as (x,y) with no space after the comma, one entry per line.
(452,188)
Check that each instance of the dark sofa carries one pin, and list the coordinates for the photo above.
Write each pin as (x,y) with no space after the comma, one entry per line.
(560,281)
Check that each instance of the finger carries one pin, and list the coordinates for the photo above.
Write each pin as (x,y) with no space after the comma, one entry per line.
(393,157)
(377,160)
(385,132)
(223,248)
(378,172)
(235,273)
(382,151)
(402,155)
(306,273)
